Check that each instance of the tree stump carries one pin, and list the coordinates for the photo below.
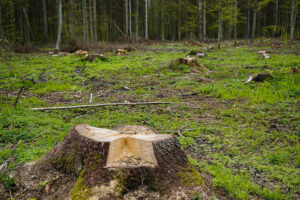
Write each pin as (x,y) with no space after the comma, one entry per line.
(81,53)
(188,61)
(120,52)
(108,164)
(94,57)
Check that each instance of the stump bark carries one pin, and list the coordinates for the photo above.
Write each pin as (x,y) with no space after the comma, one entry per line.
(108,164)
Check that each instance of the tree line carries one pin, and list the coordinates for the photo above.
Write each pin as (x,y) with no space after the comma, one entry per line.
(49,21)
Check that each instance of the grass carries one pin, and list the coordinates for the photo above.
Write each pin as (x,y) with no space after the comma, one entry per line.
(245,136)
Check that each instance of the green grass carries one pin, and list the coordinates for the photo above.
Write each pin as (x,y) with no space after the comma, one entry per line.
(245,136)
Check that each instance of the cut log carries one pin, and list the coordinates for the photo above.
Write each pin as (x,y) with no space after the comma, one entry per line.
(107,164)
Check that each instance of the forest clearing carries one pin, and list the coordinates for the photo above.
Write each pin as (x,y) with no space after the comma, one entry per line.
(153,99)
(246,136)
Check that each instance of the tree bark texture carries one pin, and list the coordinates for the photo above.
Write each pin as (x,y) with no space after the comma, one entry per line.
(95,21)
(236,20)
(85,25)
(200,19)
(91,20)
(162,21)
(0,20)
(253,24)
(220,25)
(137,21)
(204,20)
(292,19)
(59,25)
(70,16)
(179,19)
(130,18)
(45,21)
(248,19)
(126,17)
(146,20)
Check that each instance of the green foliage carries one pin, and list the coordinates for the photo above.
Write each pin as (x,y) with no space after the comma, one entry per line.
(8,182)
(278,157)
(186,141)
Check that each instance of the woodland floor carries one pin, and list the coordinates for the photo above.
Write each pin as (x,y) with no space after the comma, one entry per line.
(246,137)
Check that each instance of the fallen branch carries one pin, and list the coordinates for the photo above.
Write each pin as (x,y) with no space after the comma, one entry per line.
(118,28)
(99,105)
(20,91)
(178,132)
(188,94)
(5,164)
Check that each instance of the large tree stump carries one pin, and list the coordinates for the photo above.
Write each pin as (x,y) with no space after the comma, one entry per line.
(107,164)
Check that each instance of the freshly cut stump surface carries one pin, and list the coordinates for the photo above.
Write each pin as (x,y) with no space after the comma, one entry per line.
(97,163)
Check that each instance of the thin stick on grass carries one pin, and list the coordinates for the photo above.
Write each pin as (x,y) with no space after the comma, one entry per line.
(20,91)
(99,105)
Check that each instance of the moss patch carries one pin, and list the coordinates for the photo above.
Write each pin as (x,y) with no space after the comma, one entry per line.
(68,162)
(81,190)
(190,177)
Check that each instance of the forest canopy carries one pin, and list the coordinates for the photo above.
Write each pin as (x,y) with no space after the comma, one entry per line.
(37,22)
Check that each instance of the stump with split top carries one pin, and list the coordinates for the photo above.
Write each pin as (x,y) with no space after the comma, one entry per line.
(112,163)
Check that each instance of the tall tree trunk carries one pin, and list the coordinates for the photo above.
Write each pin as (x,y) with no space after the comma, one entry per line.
(230,22)
(28,26)
(236,20)
(179,22)
(91,20)
(156,21)
(95,21)
(293,17)
(253,24)
(200,14)
(130,21)
(85,25)
(146,20)
(162,21)
(276,14)
(70,16)
(59,25)
(0,20)
(45,21)
(248,19)
(204,20)
(137,21)
(126,17)
(220,25)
